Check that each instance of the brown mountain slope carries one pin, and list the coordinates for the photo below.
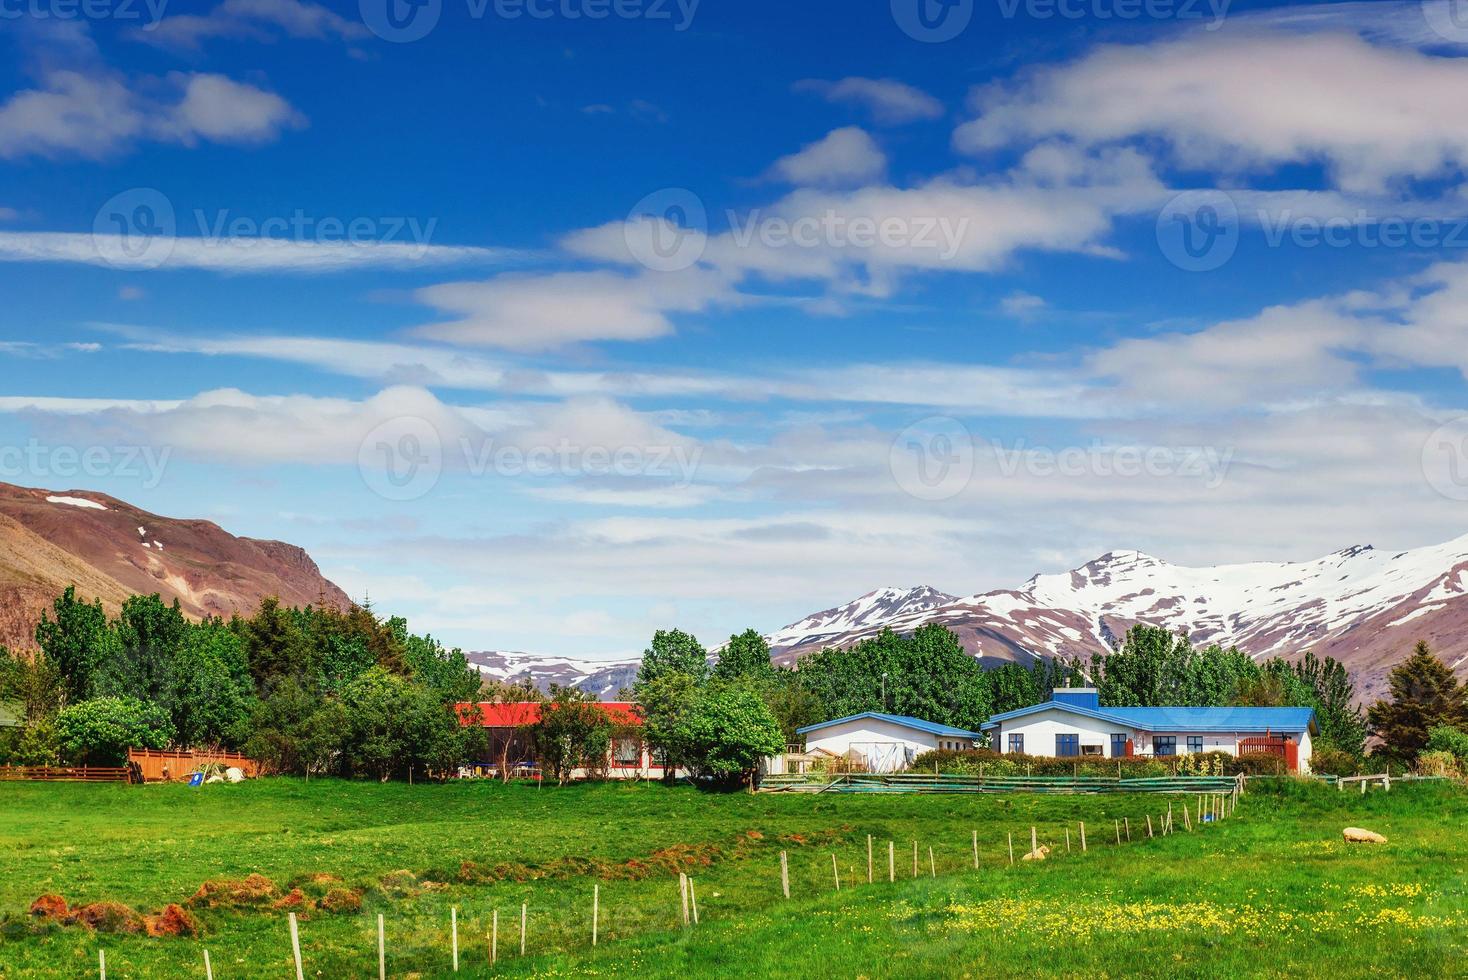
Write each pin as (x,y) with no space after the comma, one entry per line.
(110,550)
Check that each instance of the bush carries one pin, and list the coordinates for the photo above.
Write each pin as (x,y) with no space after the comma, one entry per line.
(100,731)
(1445,738)
(1437,762)
(1334,762)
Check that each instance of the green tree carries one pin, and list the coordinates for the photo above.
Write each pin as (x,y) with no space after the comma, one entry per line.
(101,730)
(1424,695)
(1342,723)
(673,652)
(726,731)
(210,695)
(745,655)
(572,733)
(75,640)
(146,640)
(662,703)
(32,685)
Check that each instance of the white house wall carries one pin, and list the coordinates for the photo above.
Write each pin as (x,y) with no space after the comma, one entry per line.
(862,732)
(1040,729)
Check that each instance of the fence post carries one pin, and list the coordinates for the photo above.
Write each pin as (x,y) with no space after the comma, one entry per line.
(1034,842)
(683,895)
(381,951)
(1118,832)
(102,964)
(693,897)
(891,861)
(869,859)
(596,909)
(1067,838)
(524,908)
(1011,847)
(914,859)
(1149,825)
(932,866)
(494,938)
(1083,837)
(296,947)
(1128,822)
(976,848)
(208,967)
(454,935)
(785,874)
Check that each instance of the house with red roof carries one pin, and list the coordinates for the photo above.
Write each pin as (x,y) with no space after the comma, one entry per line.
(511,752)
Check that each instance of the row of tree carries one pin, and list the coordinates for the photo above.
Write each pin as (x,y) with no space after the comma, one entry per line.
(310,691)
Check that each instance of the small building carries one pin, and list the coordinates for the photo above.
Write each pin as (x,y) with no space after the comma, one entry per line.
(1073,723)
(880,742)
(510,750)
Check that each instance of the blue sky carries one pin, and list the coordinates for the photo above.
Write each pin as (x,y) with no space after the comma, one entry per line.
(547,331)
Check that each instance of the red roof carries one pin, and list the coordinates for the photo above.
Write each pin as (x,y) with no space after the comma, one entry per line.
(517,713)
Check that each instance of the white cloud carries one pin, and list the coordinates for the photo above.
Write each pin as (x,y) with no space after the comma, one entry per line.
(97,114)
(240,255)
(223,111)
(888,100)
(1020,304)
(843,156)
(543,312)
(1245,99)
(254,20)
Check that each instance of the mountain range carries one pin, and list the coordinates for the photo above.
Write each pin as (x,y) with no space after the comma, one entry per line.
(111,550)
(1364,607)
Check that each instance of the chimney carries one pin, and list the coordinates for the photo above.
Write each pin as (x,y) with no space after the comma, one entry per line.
(1080,697)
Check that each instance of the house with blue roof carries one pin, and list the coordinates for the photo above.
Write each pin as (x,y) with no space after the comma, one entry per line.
(881,742)
(1073,723)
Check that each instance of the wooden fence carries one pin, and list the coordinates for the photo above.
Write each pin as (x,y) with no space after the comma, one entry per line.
(70,774)
(943,783)
(157,765)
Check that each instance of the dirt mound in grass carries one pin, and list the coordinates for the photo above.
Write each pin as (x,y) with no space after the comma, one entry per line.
(292,900)
(174,920)
(50,906)
(226,892)
(342,900)
(109,917)
(400,884)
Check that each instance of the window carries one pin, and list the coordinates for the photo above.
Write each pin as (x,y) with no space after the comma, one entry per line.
(1195,743)
(1067,744)
(626,752)
(1091,749)
(1118,746)
(1164,745)
(1016,744)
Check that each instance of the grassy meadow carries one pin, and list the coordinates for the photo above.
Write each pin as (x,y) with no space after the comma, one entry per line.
(1272,891)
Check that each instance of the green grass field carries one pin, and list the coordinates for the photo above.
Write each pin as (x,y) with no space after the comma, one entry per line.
(1272,891)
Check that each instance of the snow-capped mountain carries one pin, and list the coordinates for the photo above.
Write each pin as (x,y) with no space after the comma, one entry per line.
(602,679)
(868,612)
(1364,607)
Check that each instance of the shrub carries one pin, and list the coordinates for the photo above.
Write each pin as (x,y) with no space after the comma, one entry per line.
(100,731)
(1334,762)
(1445,738)
(1436,762)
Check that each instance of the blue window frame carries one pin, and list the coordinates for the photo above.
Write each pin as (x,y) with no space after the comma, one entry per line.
(1195,743)
(1164,745)
(1016,744)
(1067,744)
(1118,746)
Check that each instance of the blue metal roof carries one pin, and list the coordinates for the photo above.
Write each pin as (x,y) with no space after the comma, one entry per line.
(1179,718)
(931,727)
